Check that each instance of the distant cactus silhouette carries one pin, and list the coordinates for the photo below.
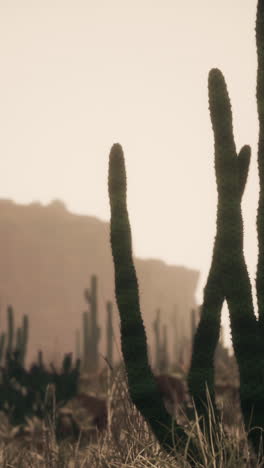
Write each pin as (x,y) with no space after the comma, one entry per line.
(92,331)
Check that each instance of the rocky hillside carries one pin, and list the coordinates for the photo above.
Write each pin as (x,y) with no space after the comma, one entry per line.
(47,256)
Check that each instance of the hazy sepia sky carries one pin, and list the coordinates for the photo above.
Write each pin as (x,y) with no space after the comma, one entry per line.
(79,75)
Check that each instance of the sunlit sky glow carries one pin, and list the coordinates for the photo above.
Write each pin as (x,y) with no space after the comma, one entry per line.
(78,76)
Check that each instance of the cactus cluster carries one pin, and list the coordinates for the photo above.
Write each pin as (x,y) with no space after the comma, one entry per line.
(23,392)
(87,348)
(228,280)
(14,340)
(161,363)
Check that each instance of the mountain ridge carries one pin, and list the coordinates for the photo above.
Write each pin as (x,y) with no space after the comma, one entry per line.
(48,255)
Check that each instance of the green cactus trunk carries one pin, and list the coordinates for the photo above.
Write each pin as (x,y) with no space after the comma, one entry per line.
(247,332)
(231,175)
(141,383)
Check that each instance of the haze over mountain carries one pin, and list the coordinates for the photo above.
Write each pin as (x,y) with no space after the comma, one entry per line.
(48,255)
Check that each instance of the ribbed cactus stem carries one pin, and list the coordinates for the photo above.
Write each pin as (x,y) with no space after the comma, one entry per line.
(141,383)
(231,175)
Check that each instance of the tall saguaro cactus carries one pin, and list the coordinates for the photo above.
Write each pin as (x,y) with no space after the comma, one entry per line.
(247,331)
(141,383)
(233,280)
(231,175)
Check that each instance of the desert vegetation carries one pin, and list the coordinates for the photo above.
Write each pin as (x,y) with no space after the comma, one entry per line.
(205,412)
(227,280)
(70,437)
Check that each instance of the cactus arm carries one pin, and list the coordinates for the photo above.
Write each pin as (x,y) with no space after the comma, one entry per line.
(243,160)
(141,383)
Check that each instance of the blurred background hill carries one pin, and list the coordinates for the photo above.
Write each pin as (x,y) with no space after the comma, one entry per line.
(47,257)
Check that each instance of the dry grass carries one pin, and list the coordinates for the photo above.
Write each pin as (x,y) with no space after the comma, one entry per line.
(127,443)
